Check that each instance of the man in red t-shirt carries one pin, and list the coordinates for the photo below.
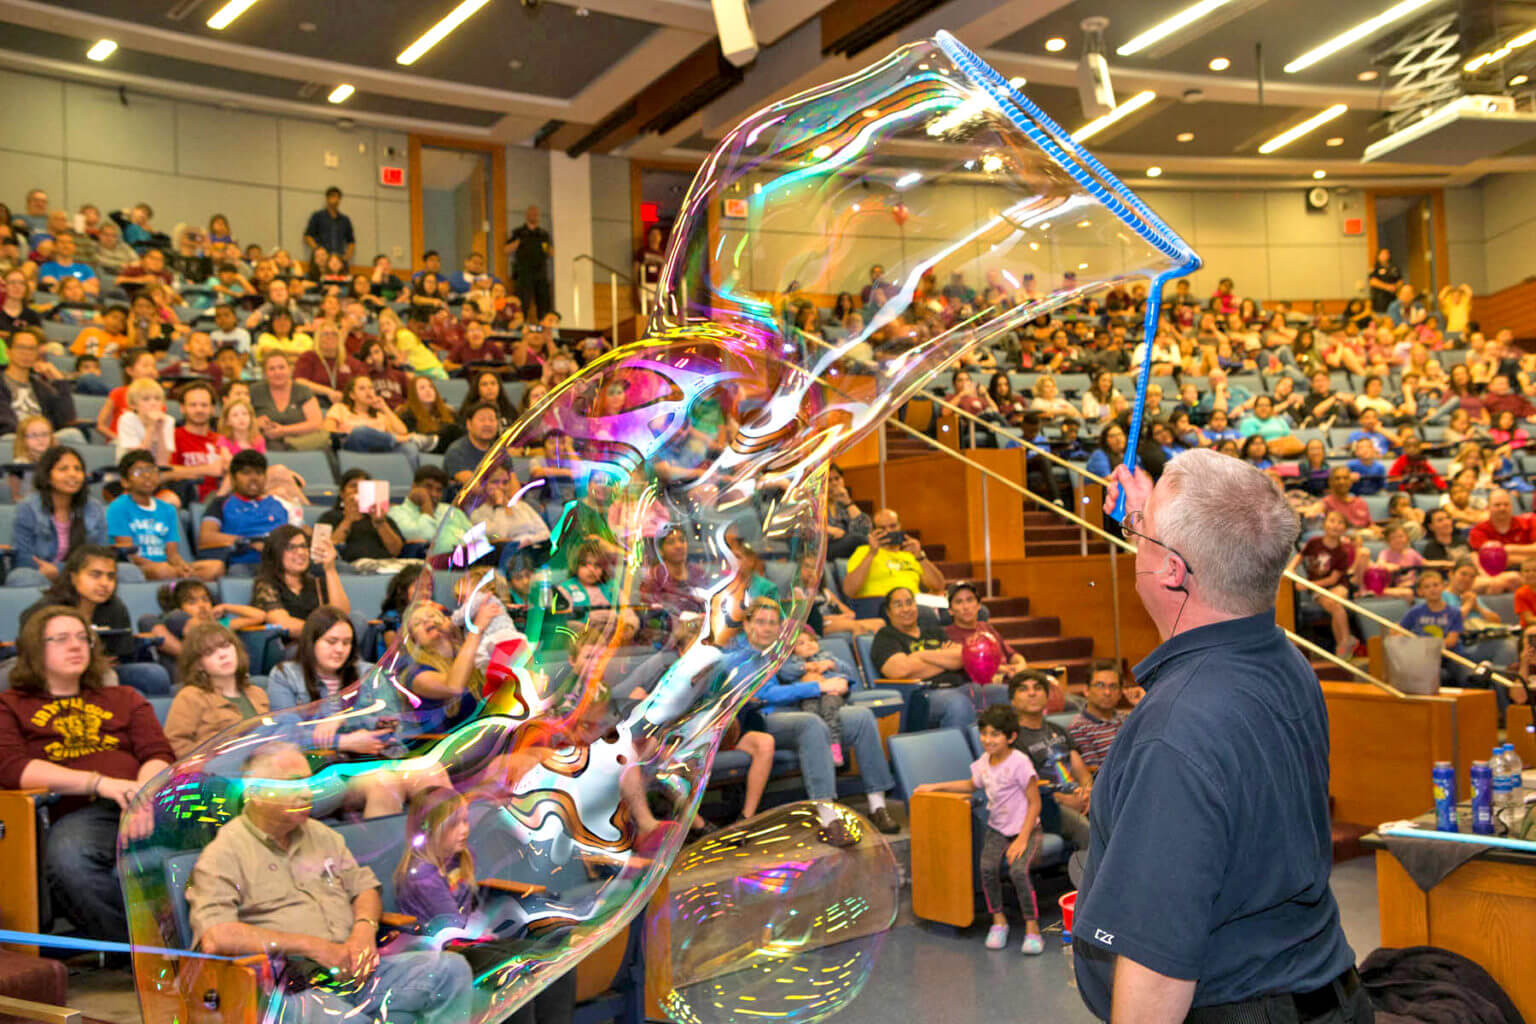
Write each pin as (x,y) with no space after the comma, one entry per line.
(1516,533)
(199,456)
(1525,596)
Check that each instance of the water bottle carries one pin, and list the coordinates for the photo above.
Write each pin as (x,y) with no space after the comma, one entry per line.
(1516,769)
(1498,767)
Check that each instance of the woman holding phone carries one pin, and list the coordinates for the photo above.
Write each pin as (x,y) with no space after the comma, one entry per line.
(285,590)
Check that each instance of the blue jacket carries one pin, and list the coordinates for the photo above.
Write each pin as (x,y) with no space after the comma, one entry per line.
(286,689)
(35,536)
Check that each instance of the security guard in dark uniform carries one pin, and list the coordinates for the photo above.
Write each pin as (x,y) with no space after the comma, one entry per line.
(1205,893)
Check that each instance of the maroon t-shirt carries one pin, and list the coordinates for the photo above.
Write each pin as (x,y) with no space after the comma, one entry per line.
(1320,559)
(112,731)
(960,635)
(488,352)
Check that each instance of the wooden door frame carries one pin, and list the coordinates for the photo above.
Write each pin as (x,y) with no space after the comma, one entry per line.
(636,169)
(1437,219)
(496,259)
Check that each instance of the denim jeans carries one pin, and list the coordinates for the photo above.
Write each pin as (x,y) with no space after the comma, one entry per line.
(808,736)
(427,986)
(956,707)
(367,439)
(80,869)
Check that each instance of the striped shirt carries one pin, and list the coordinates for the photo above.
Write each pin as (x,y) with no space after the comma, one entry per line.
(1093,736)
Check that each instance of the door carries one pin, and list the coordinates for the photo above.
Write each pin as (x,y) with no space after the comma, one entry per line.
(458,202)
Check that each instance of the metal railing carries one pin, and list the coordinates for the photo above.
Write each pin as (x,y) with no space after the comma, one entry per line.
(1114,569)
(614,277)
(1078,471)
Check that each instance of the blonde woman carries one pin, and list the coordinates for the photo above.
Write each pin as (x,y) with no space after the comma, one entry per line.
(34,435)
(402,346)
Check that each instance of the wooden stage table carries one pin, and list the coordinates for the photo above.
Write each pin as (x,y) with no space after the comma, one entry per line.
(1485,910)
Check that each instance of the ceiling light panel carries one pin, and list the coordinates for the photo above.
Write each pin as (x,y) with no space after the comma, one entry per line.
(341,93)
(434,35)
(1312,123)
(1163,29)
(1130,106)
(1364,30)
(229,12)
(101,50)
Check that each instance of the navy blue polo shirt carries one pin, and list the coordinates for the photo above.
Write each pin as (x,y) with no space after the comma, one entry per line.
(1211,848)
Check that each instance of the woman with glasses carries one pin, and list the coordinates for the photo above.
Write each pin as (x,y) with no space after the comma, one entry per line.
(285,589)
(92,745)
(87,582)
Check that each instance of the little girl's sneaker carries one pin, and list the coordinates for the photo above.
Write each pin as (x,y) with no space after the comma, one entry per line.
(997,936)
(837,754)
(1034,945)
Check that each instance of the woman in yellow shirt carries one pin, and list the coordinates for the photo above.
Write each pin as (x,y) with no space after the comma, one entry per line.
(402,345)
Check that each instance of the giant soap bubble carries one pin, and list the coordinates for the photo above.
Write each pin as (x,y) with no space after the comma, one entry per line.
(567,746)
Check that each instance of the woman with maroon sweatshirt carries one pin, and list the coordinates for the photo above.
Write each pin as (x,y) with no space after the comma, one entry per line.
(63,730)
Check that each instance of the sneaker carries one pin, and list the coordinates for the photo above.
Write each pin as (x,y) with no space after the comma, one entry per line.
(837,833)
(837,754)
(997,936)
(1034,945)
(884,821)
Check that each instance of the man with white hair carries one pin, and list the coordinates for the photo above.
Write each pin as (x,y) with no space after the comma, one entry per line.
(1206,881)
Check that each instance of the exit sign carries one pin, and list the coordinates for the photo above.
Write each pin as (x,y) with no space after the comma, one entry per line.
(736,208)
(394,177)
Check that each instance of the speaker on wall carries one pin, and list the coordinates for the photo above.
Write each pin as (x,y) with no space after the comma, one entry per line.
(1317,199)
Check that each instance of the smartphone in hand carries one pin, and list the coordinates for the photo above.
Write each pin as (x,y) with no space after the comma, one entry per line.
(320,538)
(373,497)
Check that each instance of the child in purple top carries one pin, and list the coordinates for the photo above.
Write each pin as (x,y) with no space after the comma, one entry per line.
(1402,561)
(435,883)
(1008,778)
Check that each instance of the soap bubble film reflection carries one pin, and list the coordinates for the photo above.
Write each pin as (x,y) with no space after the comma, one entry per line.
(535,742)
(765,921)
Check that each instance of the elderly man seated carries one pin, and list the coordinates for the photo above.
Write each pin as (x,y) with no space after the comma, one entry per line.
(275,881)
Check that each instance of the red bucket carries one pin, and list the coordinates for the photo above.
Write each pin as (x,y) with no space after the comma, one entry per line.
(1068,904)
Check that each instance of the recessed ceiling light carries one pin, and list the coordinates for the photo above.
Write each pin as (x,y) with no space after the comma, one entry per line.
(1154,172)
(1319,175)
(1185,137)
(1337,140)
(821,152)
(306,26)
(341,93)
(434,35)
(229,12)
(1018,81)
(1219,64)
(1290,135)
(1365,29)
(1167,27)
(101,49)
(1519,80)
(1367,76)
(1056,44)
(1130,106)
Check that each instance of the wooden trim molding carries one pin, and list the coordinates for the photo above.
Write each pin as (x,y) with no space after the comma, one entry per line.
(497,255)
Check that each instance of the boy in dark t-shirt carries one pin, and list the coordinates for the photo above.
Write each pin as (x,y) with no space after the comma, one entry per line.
(1064,778)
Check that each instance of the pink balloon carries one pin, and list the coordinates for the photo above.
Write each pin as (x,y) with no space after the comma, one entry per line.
(1493,558)
(1376,579)
(980,656)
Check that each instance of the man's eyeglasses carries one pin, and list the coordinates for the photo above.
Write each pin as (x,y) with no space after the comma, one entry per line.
(1131,524)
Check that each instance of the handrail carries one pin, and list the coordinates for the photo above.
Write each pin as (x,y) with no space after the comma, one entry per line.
(614,276)
(599,263)
(1326,655)
(1454,656)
